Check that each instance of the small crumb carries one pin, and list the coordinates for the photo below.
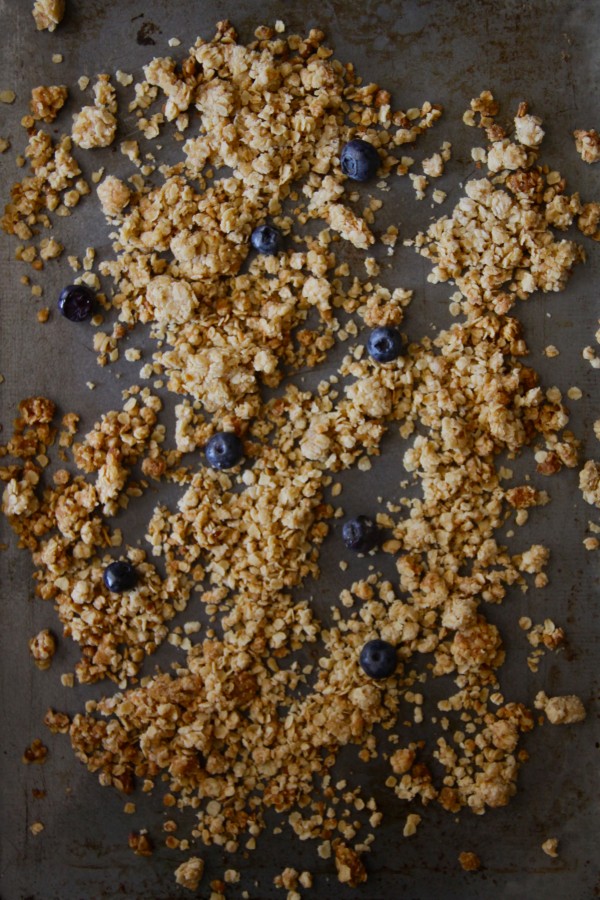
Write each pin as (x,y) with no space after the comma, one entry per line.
(174,42)
(469,861)
(43,315)
(551,351)
(57,58)
(36,828)
(140,843)
(574,393)
(7,96)
(413,820)
(35,753)
(550,847)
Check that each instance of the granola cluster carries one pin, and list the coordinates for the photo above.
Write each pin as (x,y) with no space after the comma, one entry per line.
(262,701)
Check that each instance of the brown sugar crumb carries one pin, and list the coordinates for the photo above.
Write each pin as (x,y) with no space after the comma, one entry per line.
(140,843)
(469,861)
(42,648)
(36,828)
(35,753)
(587,144)
(350,869)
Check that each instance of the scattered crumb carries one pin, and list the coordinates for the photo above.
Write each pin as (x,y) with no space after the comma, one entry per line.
(587,144)
(469,861)
(189,873)
(550,847)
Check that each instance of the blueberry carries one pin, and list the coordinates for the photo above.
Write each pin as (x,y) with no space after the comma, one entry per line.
(224,450)
(120,576)
(378,659)
(76,302)
(359,160)
(266,239)
(360,534)
(385,344)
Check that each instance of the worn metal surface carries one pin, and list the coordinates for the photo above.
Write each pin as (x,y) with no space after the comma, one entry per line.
(544,51)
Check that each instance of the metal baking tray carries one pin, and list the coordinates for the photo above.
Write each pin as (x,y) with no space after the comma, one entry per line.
(542,51)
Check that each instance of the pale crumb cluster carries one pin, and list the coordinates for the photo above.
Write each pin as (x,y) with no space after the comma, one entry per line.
(189,873)
(42,648)
(561,710)
(587,144)
(96,126)
(48,14)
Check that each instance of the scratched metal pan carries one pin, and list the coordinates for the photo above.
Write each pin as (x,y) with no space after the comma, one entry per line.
(544,51)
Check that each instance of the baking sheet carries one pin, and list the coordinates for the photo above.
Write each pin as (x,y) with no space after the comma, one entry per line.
(544,52)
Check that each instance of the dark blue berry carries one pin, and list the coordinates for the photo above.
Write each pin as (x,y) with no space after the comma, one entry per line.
(120,576)
(359,160)
(266,239)
(385,344)
(224,450)
(360,534)
(378,659)
(76,302)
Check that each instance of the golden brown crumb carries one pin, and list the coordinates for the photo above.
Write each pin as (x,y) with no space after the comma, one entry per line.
(469,861)
(35,753)
(42,648)
(140,843)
